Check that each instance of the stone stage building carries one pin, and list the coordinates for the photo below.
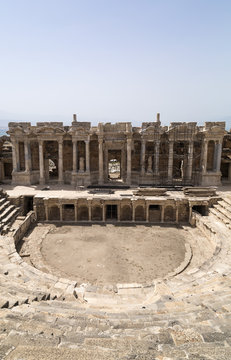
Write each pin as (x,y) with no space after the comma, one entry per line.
(116,154)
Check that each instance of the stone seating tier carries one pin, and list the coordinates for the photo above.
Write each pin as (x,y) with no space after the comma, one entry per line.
(186,317)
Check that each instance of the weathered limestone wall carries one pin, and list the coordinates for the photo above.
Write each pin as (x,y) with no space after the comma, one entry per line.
(133,209)
(180,154)
(24,227)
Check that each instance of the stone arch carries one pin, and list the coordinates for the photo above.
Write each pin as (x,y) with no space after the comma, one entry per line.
(96,213)
(83,213)
(54,212)
(126,213)
(139,213)
(169,214)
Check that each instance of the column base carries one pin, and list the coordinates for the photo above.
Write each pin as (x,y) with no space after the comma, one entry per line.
(211,179)
(42,181)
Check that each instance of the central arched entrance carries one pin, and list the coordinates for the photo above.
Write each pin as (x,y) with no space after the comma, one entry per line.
(114,165)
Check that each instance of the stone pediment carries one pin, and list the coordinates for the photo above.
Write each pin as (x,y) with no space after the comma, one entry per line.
(217,130)
(16,131)
(80,131)
(182,132)
(49,130)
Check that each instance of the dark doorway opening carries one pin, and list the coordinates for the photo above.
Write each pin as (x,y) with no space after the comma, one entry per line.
(201,209)
(154,207)
(8,170)
(225,170)
(154,213)
(28,204)
(111,212)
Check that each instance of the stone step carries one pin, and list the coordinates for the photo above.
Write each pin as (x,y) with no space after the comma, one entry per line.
(3,198)
(219,215)
(4,204)
(225,205)
(11,215)
(6,212)
(223,211)
(227,199)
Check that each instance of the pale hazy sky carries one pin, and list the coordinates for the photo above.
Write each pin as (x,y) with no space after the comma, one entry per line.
(115,60)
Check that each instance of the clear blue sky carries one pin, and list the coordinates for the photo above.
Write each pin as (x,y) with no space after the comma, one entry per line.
(115,60)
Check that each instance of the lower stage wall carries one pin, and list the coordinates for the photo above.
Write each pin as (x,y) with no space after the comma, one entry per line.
(100,210)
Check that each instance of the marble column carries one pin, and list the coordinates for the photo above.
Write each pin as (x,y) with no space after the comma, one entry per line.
(129,160)
(118,211)
(74,156)
(170,160)
(104,212)
(89,211)
(143,145)
(133,211)
(147,212)
(100,161)
(177,213)
(218,156)
(17,155)
(60,161)
(204,156)
(87,156)
(157,156)
(14,156)
(46,211)
(76,211)
(61,212)
(190,161)
(27,156)
(190,213)
(41,163)
(162,213)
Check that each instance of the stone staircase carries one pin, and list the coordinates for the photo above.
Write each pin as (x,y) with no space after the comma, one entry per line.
(8,213)
(222,211)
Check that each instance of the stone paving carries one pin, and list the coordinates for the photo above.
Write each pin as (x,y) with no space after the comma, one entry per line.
(186,316)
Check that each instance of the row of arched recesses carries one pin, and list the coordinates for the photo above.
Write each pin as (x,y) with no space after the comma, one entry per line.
(154,213)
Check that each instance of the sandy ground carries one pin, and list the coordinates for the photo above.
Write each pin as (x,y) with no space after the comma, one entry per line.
(114,254)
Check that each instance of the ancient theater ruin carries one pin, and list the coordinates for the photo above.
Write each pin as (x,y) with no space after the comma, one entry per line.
(115,241)
(83,155)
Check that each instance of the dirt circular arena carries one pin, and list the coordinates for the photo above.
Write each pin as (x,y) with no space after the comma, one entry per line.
(114,254)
